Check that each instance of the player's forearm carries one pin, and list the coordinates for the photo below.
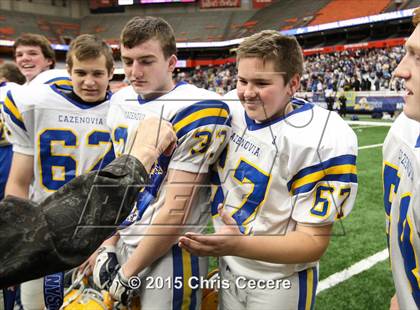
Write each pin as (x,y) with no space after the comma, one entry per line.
(17,189)
(158,240)
(20,176)
(293,248)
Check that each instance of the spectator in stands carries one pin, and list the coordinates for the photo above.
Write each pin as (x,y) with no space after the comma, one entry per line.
(329,98)
(220,79)
(33,54)
(356,83)
(352,70)
(343,100)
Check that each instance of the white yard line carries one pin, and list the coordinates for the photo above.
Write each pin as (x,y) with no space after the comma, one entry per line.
(353,270)
(370,146)
(367,126)
(388,124)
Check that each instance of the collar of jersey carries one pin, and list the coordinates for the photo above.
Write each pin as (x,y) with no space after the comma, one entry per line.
(80,104)
(143,101)
(302,106)
(418,142)
(3,83)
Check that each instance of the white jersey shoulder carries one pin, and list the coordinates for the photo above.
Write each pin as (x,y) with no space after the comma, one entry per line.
(188,107)
(401,177)
(58,77)
(300,168)
(4,132)
(67,138)
(202,123)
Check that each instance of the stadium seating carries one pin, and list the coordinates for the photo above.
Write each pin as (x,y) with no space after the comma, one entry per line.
(12,24)
(405,4)
(339,10)
(195,24)
(280,14)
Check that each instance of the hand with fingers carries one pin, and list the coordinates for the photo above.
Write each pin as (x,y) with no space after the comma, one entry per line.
(87,267)
(154,137)
(224,242)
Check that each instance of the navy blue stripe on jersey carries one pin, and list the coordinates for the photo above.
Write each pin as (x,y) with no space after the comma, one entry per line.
(308,281)
(345,178)
(302,289)
(178,272)
(198,106)
(206,112)
(252,125)
(60,78)
(157,175)
(61,82)
(345,165)
(219,196)
(64,87)
(12,110)
(203,122)
(418,142)
(149,193)
(315,286)
(195,271)
(6,154)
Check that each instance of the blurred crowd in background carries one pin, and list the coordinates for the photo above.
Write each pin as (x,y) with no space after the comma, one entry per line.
(358,70)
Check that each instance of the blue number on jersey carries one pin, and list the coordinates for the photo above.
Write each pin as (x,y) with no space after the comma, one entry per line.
(322,203)
(205,137)
(51,161)
(97,138)
(391,181)
(245,173)
(120,137)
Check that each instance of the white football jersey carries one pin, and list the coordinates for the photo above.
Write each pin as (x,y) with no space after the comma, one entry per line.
(67,138)
(201,121)
(300,168)
(4,88)
(59,77)
(401,177)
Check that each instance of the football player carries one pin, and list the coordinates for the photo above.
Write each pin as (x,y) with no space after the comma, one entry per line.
(33,55)
(148,245)
(59,133)
(9,76)
(35,58)
(401,169)
(288,173)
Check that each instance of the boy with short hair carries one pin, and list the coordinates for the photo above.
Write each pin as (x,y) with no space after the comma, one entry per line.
(287,175)
(57,133)
(148,247)
(33,54)
(35,58)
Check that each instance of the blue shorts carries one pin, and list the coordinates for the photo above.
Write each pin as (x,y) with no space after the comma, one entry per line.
(6,154)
